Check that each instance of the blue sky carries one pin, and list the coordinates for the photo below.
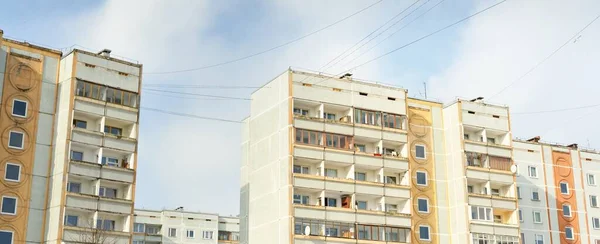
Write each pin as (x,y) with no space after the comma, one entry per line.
(195,163)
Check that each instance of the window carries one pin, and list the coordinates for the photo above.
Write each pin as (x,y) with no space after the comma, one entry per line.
(107,192)
(153,230)
(564,188)
(76,156)
(113,130)
(16,140)
(495,192)
(591,179)
(105,224)
(329,116)
(593,201)
(423,205)
(360,176)
(9,205)
(491,140)
(519,192)
(367,117)
(497,219)
(566,210)
(535,195)
(424,233)
(138,242)
(533,172)
(539,239)
(569,233)
(361,205)
(12,172)
(6,237)
(392,121)
(337,141)
(596,223)
(420,151)
(19,108)
(301,169)
(466,136)
(331,173)
(139,228)
(110,161)
(481,213)
(71,220)
(309,137)
(301,199)
(537,217)
(80,124)
(330,202)
(361,147)
(190,234)
(299,111)
(421,178)
(74,187)
(391,207)
(520,215)
(86,89)
(207,235)
(121,97)
(522,237)
(391,180)
(172,232)
(470,189)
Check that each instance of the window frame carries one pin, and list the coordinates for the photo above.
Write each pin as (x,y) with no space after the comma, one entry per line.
(536,239)
(6,172)
(72,152)
(569,208)
(595,200)
(572,231)
(488,213)
(70,186)
(519,192)
(566,184)
(540,217)
(424,173)
(10,133)
(426,205)
(424,152)
(207,235)
(529,168)
(520,216)
(356,174)
(16,205)
(12,235)
(67,220)
(172,232)
(595,223)
(135,230)
(77,121)
(428,233)
(591,182)
(358,202)
(187,234)
(535,192)
(13,108)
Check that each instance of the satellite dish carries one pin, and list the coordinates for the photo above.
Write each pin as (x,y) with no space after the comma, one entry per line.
(513,169)
(307,230)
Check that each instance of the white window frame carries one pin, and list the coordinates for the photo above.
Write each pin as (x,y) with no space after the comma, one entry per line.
(426,177)
(488,213)
(139,224)
(560,184)
(13,108)
(529,171)
(538,195)
(6,171)
(534,218)
(595,200)
(428,232)
(365,202)
(591,182)
(426,204)
(16,205)
(424,151)
(22,139)
(537,238)
(572,233)
(302,197)
(570,210)
(207,235)
(187,234)
(67,218)
(172,234)
(12,235)
(594,221)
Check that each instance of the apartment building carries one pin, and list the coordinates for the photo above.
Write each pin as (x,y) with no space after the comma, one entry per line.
(178,226)
(558,192)
(69,125)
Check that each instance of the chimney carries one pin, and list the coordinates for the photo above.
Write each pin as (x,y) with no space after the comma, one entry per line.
(105,52)
(346,76)
(534,139)
(478,99)
(573,146)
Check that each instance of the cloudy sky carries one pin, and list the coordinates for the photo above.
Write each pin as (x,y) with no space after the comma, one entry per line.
(195,163)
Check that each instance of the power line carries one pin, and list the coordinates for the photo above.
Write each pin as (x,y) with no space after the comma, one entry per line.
(558,110)
(267,50)
(196,94)
(181,97)
(200,86)
(190,115)
(547,57)
(554,126)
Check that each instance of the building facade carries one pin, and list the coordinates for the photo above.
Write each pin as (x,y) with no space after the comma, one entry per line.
(178,226)
(69,127)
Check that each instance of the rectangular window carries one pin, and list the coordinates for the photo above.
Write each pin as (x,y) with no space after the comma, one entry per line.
(470,189)
(74,187)
(495,192)
(105,224)
(537,217)
(12,172)
(539,239)
(520,215)
(139,228)
(301,169)
(391,180)
(391,207)
(19,108)
(420,151)
(491,140)
(299,111)
(596,223)
(360,147)
(533,172)
(564,188)
(301,199)
(121,97)
(421,178)
(309,137)
(497,219)
(71,220)
(392,121)
(207,235)
(367,117)
(519,192)
(360,176)
(423,205)
(466,136)
(113,130)
(424,233)
(86,89)
(329,116)
(80,124)
(172,232)
(108,192)
(593,201)
(535,195)
(591,179)
(6,237)
(76,156)
(110,161)
(330,202)
(569,233)
(331,173)
(566,210)
(16,140)
(9,205)
(189,234)
(481,213)
(361,205)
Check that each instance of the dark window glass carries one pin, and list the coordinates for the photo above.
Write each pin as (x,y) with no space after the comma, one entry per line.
(422,204)
(9,205)
(77,156)
(420,151)
(71,220)
(13,172)
(15,139)
(19,108)
(421,178)
(6,237)
(424,232)
(74,187)
(80,124)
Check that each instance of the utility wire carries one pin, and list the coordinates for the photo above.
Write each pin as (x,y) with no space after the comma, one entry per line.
(181,97)
(267,50)
(196,94)
(200,86)
(545,59)
(190,115)
(558,110)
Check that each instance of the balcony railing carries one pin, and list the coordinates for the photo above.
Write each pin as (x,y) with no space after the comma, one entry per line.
(488,162)
(314,227)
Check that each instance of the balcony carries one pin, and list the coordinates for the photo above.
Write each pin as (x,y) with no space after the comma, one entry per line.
(120,143)
(494,228)
(74,234)
(88,137)
(95,203)
(496,202)
(101,108)
(321,231)
(94,170)
(483,167)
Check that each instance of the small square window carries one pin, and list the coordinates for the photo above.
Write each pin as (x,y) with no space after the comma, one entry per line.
(172,232)
(566,210)
(76,156)
(12,172)
(564,188)
(420,151)
(360,176)
(74,187)
(569,233)
(80,124)
(423,205)
(190,233)
(421,178)
(9,205)
(71,220)
(16,140)
(361,205)
(424,233)
(537,217)
(19,108)
(6,237)
(533,172)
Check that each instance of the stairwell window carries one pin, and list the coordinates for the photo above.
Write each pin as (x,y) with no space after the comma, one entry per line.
(518,192)
(16,140)
(6,237)
(520,215)
(533,172)
(420,152)
(9,205)
(535,195)
(423,205)
(564,188)
(593,201)
(566,210)
(421,178)
(569,233)
(19,108)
